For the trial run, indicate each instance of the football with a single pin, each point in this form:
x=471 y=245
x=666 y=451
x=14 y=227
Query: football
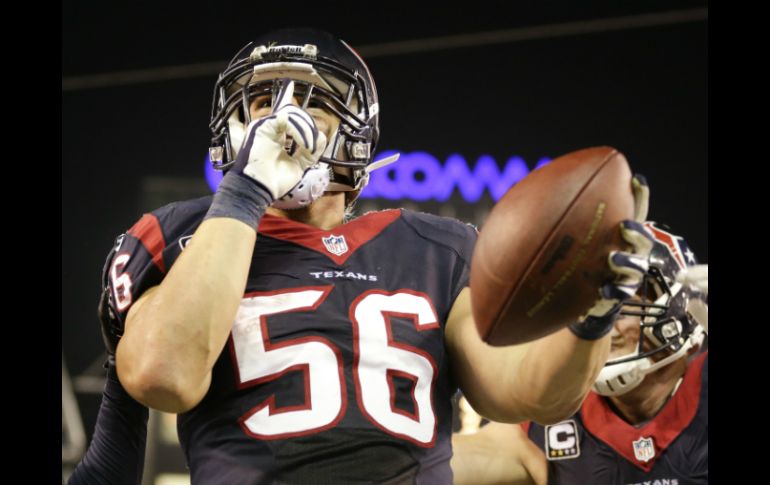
x=541 y=255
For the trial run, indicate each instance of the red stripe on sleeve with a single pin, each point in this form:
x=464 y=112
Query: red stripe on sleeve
x=148 y=231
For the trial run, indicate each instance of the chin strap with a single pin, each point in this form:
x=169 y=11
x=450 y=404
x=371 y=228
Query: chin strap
x=618 y=379
x=311 y=187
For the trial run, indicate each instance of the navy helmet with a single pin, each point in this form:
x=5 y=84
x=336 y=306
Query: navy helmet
x=327 y=74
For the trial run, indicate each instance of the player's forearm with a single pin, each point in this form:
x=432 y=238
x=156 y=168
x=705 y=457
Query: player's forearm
x=173 y=338
x=557 y=372
x=544 y=380
x=483 y=458
x=476 y=462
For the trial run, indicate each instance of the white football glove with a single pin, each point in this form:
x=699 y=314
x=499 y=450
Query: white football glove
x=264 y=156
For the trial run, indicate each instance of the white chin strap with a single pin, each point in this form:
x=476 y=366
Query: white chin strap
x=618 y=379
x=316 y=181
x=310 y=188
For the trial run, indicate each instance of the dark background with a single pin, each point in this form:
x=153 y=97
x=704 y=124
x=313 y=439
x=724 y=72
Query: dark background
x=640 y=89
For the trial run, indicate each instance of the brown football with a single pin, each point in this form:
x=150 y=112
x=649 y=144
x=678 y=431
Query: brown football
x=541 y=256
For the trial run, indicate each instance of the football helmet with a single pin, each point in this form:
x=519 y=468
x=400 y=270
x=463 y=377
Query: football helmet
x=673 y=316
x=327 y=74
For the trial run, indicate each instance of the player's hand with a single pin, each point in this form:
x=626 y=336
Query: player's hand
x=629 y=267
x=696 y=277
x=264 y=156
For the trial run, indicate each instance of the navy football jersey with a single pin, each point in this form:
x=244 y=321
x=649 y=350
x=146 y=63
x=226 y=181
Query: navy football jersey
x=597 y=446
x=335 y=370
x=116 y=452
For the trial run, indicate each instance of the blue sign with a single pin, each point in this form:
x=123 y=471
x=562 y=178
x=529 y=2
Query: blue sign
x=419 y=176
x=213 y=177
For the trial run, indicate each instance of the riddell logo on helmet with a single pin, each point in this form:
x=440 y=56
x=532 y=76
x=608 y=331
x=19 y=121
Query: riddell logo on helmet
x=274 y=50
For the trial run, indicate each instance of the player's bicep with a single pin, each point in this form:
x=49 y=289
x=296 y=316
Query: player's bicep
x=136 y=308
x=138 y=359
x=131 y=275
x=130 y=270
x=486 y=374
x=128 y=346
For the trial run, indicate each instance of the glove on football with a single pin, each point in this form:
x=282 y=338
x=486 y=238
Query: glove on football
x=629 y=267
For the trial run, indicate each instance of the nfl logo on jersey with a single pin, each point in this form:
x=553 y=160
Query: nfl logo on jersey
x=644 y=450
x=335 y=244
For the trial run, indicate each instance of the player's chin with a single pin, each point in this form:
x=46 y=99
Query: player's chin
x=618 y=351
x=330 y=194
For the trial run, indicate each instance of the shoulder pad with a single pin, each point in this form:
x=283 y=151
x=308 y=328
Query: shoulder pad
x=446 y=231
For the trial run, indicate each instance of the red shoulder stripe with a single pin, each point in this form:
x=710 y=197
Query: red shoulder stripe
x=148 y=231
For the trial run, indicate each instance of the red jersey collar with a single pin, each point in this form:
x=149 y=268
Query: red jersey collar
x=337 y=244
x=676 y=415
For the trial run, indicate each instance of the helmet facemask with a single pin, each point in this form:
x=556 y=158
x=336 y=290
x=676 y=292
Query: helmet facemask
x=342 y=86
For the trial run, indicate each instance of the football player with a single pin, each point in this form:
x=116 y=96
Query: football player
x=647 y=419
x=299 y=346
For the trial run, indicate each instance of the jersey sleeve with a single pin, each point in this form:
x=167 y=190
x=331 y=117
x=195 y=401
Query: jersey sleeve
x=116 y=452
x=141 y=257
x=465 y=244
x=134 y=264
x=456 y=236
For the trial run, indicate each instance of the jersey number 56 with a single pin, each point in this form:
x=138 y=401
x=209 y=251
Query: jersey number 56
x=377 y=359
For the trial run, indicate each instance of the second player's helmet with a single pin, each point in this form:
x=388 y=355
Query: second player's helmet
x=673 y=316
x=328 y=74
